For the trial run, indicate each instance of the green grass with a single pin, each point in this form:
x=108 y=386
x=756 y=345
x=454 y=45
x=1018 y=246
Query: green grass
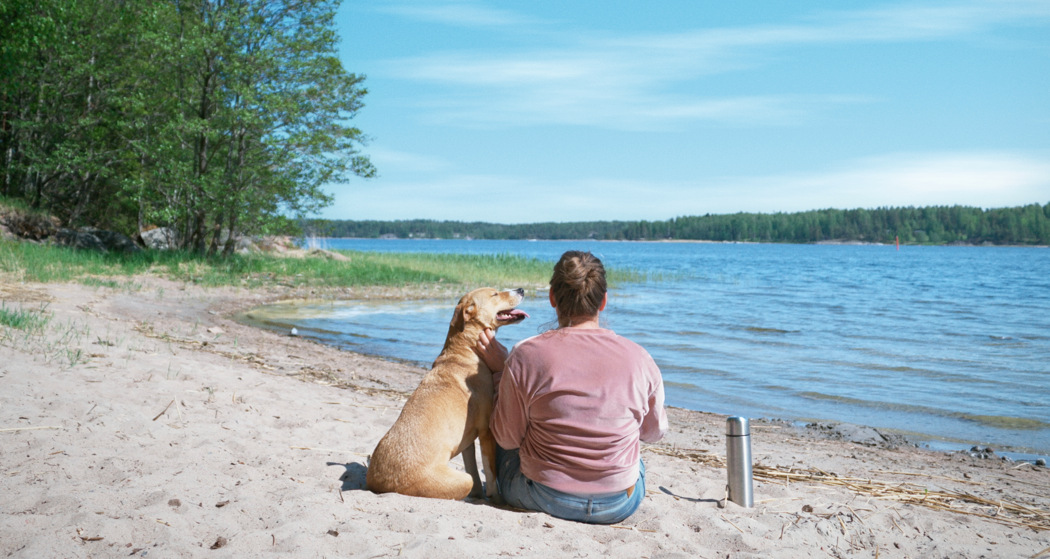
x=128 y=286
x=42 y=263
x=34 y=332
x=20 y=319
x=16 y=204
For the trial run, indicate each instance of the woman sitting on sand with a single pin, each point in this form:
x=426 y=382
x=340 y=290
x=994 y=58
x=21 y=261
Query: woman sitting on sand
x=572 y=405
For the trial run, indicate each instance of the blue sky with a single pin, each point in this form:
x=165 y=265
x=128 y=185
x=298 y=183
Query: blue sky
x=519 y=112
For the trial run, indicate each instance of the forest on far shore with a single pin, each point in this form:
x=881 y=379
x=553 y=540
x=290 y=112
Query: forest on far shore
x=1021 y=225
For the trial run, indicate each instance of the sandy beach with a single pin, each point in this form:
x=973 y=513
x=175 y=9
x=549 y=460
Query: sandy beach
x=144 y=421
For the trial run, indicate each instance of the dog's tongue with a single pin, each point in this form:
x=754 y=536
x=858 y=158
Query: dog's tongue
x=513 y=314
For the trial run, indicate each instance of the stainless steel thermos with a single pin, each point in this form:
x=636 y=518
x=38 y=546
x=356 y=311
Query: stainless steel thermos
x=738 y=461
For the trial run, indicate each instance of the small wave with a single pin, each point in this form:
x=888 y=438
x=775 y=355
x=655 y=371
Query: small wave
x=308 y=330
x=761 y=330
x=674 y=347
x=907 y=370
x=1007 y=342
x=1004 y=422
x=926 y=373
x=692 y=333
x=996 y=421
x=773 y=343
x=673 y=371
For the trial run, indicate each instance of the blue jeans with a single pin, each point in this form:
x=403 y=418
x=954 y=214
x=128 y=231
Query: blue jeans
x=523 y=493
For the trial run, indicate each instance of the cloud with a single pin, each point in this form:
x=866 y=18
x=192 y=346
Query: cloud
x=931 y=21
x=457 y=197
x=459 y=14
x=596 y=89
x=620 y=88
x=981 y=179
x=643 y=81
x=906 y=22
x=405 y=161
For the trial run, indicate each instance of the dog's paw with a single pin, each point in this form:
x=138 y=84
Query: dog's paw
x=492 y=494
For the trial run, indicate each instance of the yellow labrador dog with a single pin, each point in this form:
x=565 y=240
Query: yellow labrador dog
x=448 y=410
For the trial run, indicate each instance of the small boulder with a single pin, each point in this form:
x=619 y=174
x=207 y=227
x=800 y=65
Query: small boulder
x=90 y=238
x=159 y=238
x=113 y=241
x=78 y=240
x=328 y=255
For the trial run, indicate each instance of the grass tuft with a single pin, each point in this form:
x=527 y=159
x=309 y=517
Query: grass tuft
x=21 y=319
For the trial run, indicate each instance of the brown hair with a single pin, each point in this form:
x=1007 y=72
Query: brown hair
x=578 y=286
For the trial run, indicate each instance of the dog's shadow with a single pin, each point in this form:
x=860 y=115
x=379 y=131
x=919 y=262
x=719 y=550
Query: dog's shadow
x=353 y=479
x=354 y=476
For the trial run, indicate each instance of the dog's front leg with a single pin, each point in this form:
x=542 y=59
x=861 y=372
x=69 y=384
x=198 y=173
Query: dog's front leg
x=488 y=461
x=470 y=463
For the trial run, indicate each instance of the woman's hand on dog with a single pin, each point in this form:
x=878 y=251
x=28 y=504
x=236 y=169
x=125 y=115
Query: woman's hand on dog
x=491 y=351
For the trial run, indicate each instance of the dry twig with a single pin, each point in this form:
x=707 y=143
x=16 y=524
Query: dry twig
x=163 y=410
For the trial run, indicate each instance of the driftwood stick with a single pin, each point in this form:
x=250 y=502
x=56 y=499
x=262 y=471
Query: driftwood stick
x=163 y=410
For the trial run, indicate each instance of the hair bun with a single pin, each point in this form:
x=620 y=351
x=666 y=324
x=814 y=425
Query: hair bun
x=578 y=286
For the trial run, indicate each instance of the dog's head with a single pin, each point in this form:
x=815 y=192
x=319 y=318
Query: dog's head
x=488 y=308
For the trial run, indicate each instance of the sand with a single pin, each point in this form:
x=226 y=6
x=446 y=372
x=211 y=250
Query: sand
x=144 y=421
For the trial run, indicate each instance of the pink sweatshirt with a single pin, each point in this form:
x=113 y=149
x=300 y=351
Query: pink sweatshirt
x=576 y=402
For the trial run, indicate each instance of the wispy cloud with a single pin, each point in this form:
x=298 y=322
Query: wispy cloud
x=630 y=82
x=457 y=197
x=982 y=179
x=905 y=22
x=406 y=161
x=459 y=14
x=590 y=89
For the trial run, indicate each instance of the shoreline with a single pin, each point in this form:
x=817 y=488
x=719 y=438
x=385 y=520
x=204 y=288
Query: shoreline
x=150 y=420
x=817 y=427
x=829 y=242
x=826 y=427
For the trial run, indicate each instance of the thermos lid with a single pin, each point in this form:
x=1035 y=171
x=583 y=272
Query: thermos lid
x=737 y=427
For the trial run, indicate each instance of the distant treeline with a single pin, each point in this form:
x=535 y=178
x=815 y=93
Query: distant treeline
x=1023 y=225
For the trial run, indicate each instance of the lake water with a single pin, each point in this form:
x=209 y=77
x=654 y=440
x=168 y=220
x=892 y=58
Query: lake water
x=949 y=344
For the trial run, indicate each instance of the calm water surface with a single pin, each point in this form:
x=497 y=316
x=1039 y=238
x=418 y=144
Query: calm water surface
x=948 y=343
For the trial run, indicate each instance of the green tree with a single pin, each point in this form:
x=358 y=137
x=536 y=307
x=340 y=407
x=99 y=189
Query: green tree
x=213 y=117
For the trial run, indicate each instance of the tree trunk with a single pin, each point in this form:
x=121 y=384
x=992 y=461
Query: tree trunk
x=231 y=242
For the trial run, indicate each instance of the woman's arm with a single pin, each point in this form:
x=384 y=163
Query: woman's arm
x=654 y=424
x=509 y=413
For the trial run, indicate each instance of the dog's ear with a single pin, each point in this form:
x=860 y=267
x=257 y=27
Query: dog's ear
x=464 y=311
